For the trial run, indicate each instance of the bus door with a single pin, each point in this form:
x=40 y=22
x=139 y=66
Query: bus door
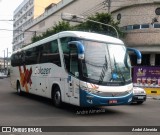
x=73 y=77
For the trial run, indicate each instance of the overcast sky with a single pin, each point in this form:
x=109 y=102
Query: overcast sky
x=7 y=8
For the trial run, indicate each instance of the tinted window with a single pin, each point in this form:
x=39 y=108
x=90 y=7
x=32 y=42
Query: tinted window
x=65 y=49
x=136 y=26
x=143 y=26
x=73 y=60
x=31 y=56
x=50 y=53
x=156 y=25
x=129 y=27
x=46 y=53
x=17 y=59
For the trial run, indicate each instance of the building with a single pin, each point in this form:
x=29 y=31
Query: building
x=137 y=18
x=53 y=15
x=142 y=26
x=24 y=14
x=4 y=64
x=1 y=63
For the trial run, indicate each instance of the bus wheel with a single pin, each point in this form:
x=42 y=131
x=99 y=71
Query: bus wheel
x=57 y=97
x=19 y=92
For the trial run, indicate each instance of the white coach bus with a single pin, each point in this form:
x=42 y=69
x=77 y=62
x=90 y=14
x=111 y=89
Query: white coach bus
x=80 y=68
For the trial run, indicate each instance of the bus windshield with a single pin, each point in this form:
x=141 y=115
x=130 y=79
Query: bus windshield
x=106 y=63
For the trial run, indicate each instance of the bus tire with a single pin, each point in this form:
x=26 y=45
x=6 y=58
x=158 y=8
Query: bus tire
x=19 y=91
x=56 y=97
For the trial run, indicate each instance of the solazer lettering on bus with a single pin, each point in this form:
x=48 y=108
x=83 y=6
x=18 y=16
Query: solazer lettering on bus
x=42 y=70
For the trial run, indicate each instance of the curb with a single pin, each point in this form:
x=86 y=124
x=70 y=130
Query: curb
x=155 y=98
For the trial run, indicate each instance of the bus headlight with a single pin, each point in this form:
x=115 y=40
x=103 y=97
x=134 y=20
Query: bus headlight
x=90 y=90
x=129 y=91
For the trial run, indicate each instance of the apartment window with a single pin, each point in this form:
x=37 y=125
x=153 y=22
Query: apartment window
x=136 y=26
x=143 y=26
x=129 y=27
x=156 y=25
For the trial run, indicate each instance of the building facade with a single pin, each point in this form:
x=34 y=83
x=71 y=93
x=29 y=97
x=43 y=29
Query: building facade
x=137 y=18
x=24 y=14
x=141 y=24
x=53 y=15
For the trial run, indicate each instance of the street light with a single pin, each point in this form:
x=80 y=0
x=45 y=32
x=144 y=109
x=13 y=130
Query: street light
x=78 y=18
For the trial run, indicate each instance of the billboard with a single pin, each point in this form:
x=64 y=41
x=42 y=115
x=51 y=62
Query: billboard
x=146 y=76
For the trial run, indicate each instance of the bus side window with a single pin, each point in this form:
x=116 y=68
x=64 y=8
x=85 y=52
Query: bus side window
x=31 y=56
x=50 y=53
x=73 y=60
x=55 y=56
x=16 y=59
x=64 y=45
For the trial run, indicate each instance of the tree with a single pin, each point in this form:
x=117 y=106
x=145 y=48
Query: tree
x=61 y=26
x=86 y=26
x=99 y=28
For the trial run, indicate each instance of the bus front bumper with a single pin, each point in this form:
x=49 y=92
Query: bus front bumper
x=90 y=100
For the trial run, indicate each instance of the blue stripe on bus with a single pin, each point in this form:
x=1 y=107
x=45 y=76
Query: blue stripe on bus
x=88 y=99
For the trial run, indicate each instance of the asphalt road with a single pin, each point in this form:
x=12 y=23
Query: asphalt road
x=30 y=110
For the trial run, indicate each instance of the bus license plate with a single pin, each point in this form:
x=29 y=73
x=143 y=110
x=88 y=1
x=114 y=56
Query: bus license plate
x=140 y=97
x=112 y=101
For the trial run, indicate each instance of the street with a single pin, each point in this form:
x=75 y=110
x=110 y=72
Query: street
x=30 y=110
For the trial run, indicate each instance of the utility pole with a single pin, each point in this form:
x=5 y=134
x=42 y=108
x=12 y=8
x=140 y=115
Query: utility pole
x=7 y=61
x=109 y=6
x=4 y=59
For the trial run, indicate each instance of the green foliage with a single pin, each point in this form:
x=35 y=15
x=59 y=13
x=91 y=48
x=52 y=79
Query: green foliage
x=99 y=28
x=86 y=26
x=61 y=26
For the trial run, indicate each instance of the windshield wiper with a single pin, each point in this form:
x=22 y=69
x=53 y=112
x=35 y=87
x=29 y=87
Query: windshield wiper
x=104 y=69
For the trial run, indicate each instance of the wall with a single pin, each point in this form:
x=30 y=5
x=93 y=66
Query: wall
x=49 y=18
x=140 y=12
x=40 y=6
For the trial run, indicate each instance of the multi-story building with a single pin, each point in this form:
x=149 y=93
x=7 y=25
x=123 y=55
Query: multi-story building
x=24 y=14
x=53 y=14
x=139 y=20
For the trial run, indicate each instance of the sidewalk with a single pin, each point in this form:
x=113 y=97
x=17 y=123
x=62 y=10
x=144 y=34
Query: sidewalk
x=156 y=97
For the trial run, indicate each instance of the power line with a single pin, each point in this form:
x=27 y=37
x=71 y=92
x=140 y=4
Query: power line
x=94 y=9
x=7 y=20
x=18 y=30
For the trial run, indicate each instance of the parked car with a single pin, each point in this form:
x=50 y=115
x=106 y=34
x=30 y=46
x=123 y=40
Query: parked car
x=2 y=75
x=139 y=95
